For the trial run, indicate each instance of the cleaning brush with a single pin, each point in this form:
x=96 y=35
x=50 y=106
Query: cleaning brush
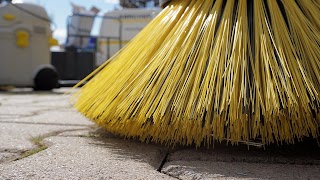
x=204 y=71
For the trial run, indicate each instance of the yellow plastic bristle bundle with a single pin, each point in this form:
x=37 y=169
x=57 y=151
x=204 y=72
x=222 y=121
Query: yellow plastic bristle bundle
x=214 y=70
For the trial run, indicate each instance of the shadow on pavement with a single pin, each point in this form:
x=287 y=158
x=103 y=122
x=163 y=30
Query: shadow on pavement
x=152 y=154
x=203 y=161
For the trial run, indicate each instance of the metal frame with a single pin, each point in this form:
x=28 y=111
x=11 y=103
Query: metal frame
x=107 y=38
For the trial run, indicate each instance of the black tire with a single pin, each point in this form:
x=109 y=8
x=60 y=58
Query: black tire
x=46 y=79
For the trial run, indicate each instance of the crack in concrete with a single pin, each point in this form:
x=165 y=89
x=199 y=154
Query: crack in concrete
x=40 y=145
x=9 y=154
x=81 y=136
x=230 y=158
x=163 y=162
x=101 y=135
x=6 y=150
x=290 y=155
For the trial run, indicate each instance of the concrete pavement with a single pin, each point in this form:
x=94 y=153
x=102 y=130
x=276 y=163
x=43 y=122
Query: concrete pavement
x=43 y=137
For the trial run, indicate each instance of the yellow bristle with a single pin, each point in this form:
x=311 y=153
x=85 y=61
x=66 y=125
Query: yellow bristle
x=202 y=71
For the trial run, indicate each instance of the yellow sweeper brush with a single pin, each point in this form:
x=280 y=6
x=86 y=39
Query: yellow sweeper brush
x=202 y=70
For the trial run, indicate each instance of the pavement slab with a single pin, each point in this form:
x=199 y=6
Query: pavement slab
x=25 y=114
x=82 y=155
x=50 y=117
x=18 y=136
x=186 y=170
x=60 y=143
x=43 y=137
x=300 y=161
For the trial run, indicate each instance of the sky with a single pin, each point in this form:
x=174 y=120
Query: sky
x=58 y=11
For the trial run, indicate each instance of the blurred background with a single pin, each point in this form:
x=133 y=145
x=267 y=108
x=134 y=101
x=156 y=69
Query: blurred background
x=58 y=10
x=47 y=44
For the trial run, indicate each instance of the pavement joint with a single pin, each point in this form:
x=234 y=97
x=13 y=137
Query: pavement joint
x=40 y=145
x=60 y=143
x=11 y=154
x=6 y=150
x=293 y=155
x=163 y=162
x=101 y=136
x=176 y=173
x=81 y=136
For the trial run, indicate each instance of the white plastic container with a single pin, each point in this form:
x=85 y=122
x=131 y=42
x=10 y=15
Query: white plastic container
x=120 y=26
x=25 y=58
x=80 y=26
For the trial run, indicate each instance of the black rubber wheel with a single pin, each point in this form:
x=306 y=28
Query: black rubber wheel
x=46 y=79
